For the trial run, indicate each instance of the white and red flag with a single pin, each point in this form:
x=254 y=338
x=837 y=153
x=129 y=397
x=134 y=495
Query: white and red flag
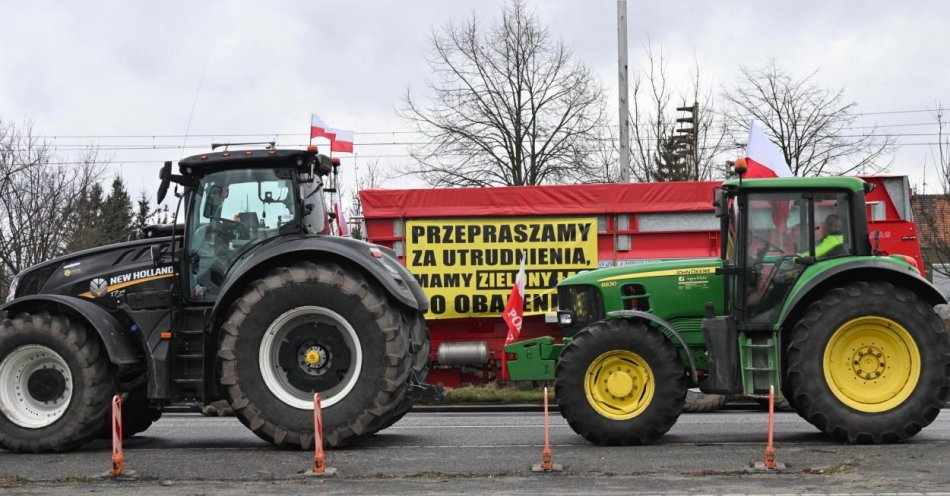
x=763 y=158
x=343 y=229
x=342 y=140
x=318 y=128
x=514 y=310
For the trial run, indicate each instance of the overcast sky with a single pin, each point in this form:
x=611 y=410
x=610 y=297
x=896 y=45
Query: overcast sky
x=134 y=69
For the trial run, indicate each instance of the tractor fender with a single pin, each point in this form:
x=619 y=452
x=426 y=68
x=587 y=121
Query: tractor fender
x=637 y=314
x=122 y=346
x=386 y=270
x=860 y=270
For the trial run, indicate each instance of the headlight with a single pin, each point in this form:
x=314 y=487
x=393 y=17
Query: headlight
x=12 y=294
x=565 y=318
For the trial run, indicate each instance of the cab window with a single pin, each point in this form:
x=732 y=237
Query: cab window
x=233 y=210
x=833 y=233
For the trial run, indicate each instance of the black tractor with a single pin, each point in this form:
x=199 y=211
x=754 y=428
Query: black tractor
x=252 y=300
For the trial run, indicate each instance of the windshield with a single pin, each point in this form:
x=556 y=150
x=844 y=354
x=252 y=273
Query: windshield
x=232 y=210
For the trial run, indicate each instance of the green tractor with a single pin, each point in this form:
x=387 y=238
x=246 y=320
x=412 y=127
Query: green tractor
x=799 y=301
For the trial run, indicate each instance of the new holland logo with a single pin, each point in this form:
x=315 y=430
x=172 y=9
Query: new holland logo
x=98 y=287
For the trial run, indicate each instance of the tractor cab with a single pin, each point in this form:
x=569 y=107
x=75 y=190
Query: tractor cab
x=773 y=229
x=238 y=200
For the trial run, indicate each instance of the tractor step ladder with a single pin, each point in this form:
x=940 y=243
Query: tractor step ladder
x=759 y=355
x=188 y=369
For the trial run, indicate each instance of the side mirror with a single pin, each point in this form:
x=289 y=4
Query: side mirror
x=719 y=199
x=166 y=177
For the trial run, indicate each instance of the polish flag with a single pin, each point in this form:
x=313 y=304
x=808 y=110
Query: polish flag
x=342 y=140
x=514 y=313
x=514 y=310
x=763 y=158
x=318 y=128
x=343 y=229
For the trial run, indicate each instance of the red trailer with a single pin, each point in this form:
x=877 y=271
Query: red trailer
x=464 y=246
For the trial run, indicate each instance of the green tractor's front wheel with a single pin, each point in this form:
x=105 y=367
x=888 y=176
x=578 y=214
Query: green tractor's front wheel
x=869 y=363
x=620 y=383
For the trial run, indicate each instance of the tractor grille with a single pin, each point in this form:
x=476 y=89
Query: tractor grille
x=585 y=302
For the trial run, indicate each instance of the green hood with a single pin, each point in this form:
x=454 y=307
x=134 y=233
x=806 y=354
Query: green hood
x=650 y=269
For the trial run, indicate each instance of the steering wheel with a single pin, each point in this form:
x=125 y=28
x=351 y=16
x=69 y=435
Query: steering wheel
x=766 y=247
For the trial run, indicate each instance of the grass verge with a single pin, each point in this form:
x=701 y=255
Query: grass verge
x=492 y=393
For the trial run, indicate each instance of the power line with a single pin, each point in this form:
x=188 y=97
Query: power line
x=147 y=146
x=366 y=133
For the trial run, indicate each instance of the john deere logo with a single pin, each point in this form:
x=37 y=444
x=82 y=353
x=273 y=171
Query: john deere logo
x=98 y=287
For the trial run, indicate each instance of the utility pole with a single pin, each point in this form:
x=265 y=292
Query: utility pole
x=624 y=93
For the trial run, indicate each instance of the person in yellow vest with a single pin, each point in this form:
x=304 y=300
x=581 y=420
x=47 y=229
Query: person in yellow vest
x=832 y=242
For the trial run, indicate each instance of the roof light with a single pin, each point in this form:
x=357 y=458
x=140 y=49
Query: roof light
x=204 y=157
x=335 y=160
x=248 y=152
x=740 y=166
x=271 y=151
x=226 y=154
x=312 y=148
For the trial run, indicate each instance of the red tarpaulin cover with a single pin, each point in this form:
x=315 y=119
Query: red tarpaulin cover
x=579 y=199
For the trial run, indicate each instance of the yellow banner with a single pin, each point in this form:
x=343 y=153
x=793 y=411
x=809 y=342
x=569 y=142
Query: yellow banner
x=467 y=266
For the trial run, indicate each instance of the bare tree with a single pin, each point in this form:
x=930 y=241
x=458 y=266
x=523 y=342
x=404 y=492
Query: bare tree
x=653 y=125
x=810 y=124
x=38 y=199
x=933 y=210
x=367 y=178
x=509 y=106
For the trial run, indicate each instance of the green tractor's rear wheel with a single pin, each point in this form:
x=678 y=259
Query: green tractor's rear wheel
x=620 y=383
x=869 y=363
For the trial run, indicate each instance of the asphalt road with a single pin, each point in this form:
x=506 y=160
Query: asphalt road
x=442 y=453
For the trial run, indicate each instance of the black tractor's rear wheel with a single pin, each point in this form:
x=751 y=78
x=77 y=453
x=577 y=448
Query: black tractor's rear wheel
x=620 y=383
x=56 y=383
x=314 y=328
x=420 y=347
x=869 y=363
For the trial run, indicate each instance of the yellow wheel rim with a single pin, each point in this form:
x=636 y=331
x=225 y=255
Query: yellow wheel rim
x=872 y=364
x=619 y=384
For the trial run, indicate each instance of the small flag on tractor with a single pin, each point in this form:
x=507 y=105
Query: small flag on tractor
x=342 y=140
x=318 y=128
x=514 y=312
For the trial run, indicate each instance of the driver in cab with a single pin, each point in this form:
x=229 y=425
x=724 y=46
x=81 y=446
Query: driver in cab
x=831 y=243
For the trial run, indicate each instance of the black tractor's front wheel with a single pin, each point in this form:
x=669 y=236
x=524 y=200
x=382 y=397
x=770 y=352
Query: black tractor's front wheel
x=55 y=383
x=869 y=363
x=314 y=328
x=620 y=383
